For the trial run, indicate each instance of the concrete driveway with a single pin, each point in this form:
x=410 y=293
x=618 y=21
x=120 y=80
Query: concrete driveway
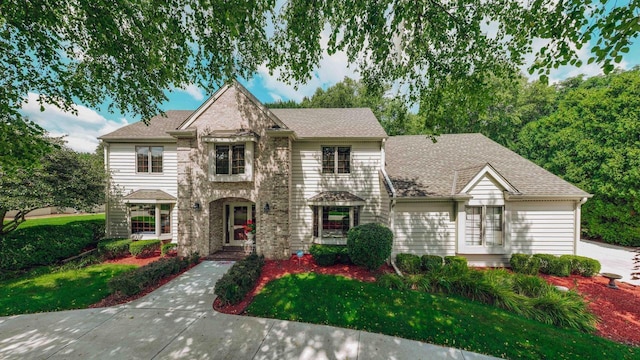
x=614 y=259
x=177 y=322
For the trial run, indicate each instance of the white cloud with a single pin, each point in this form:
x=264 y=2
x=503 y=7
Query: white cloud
x=194 y=91
x=81 y=131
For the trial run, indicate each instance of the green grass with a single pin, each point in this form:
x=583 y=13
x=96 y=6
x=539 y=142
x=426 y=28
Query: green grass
x=59 y=220
x=41 y=290
x=433 y=318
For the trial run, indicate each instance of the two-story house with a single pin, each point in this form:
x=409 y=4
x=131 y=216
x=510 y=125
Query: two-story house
x=305 y=176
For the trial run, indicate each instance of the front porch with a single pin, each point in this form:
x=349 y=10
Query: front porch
x=229 y=253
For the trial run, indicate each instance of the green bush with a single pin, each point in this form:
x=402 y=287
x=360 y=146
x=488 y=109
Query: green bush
x=553 y=265
x=166 y=248
x=457 y=263
x=408 y=263
x=545 y=262
x=582 y=265
x=391 y=281
x=525 y=264
x=233 y=286
x=114 y=248
x=47 y=244
x=432 y=262
x=369 y=245
x=327 y=255
x=132 y=282
x=144 y=248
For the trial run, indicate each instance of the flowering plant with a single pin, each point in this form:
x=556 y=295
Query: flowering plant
x=249 y=227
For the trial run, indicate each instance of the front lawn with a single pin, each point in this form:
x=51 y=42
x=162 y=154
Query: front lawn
x=433 y=318
x=59 y=220
x=41 y=291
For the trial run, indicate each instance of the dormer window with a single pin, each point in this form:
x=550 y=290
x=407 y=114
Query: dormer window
x=231 y=156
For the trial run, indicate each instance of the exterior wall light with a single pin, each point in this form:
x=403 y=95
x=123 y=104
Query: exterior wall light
x=266 y=208
x=196 y=206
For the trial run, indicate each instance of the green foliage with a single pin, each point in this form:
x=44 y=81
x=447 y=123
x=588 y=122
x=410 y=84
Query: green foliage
x=144 y=248
x=432 y=262
x=369 y=245
x=167 y=248
x=114 y=248
x=132 y=282
x=553 y=265
x=456 y=263
x=408 y=263
x=582 y=265
x=47 y=244
x=65 y=288
x=592 y=142
x=391 y=281
x=327 y=255
x=525 y=264
x=233 y=286
x=433 y=318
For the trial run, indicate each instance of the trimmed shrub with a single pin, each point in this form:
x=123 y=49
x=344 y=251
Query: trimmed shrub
x=525 y=264
x=327 y=255
x=545 y=262
x=144 y=248
x=559 y=267
x=47 y=244
x=432 y=262
x=233 y=286
x=114 y=248
x=132 y=282
x=408 y=263
x=458 y=263
x=582 y=265
x=166 y=248
x=369 y=245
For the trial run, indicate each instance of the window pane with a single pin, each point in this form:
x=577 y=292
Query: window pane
x=156 y=159
x=165 y=218
x=315 y=220
x=328 y=160
x=473 y=227
x=222 y=159
x=344 y=158
x=237 y=166
x=335 y=221
x=494 y=225
x=143 y=218
x=142 y=159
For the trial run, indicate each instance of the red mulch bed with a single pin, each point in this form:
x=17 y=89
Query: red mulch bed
x=274 y=269
x=618 y=310
x=115 y=299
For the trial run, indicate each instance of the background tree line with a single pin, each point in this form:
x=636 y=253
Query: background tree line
x=585 y=130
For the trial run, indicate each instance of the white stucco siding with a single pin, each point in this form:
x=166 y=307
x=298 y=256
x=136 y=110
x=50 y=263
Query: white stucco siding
x=308 y=180
x=424 y=228
x=542 y=227
x=121 y=159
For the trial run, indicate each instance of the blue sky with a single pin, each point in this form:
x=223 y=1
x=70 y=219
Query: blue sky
x=82 y=131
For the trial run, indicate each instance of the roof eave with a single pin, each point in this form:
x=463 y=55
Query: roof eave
x=345 y=138
x=555 y=197
x=433 y=198
x=138 y=139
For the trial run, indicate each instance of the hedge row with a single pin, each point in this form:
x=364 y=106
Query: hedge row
x=132 y=282
x=47 y=244
x=239 y=280
x=327 y=255
x=144 y=248
x=167 y=248
x=114 y=248
x=564 y=265
x=414 y=264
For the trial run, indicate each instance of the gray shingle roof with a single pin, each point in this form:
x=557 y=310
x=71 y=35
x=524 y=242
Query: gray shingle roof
x=149 y=195
x=331 y=123
x=419 y=167
x=157 y=128
x=335 y=196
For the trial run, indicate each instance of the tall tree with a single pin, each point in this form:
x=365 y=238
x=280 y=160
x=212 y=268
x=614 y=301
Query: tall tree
x=593 y=141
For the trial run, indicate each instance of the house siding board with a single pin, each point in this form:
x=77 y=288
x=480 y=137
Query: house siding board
x=424 y=228
x=122 y=162
x=308 y=181
x=486 y=192
x=542 y=227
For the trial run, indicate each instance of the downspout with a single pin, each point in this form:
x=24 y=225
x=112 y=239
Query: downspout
x=576 y=231
x=107 y=191
x=390 y=184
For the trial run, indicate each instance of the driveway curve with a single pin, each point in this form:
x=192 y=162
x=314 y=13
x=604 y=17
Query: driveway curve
x=177 y=322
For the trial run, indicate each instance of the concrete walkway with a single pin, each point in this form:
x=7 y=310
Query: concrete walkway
x=177 y=322
x=614 y=259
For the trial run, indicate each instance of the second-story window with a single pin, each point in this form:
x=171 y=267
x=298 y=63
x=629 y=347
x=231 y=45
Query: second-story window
x=149 y=159
x=336 y=159
x=230 y=159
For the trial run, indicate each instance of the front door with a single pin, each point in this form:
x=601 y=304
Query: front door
x=238 y=216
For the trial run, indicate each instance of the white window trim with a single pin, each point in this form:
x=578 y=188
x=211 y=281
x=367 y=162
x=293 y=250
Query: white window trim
x=333 y=240
x=335 y=160
x=158 y=226
x=149 y=160
x=463 y=248
x=248 y=163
